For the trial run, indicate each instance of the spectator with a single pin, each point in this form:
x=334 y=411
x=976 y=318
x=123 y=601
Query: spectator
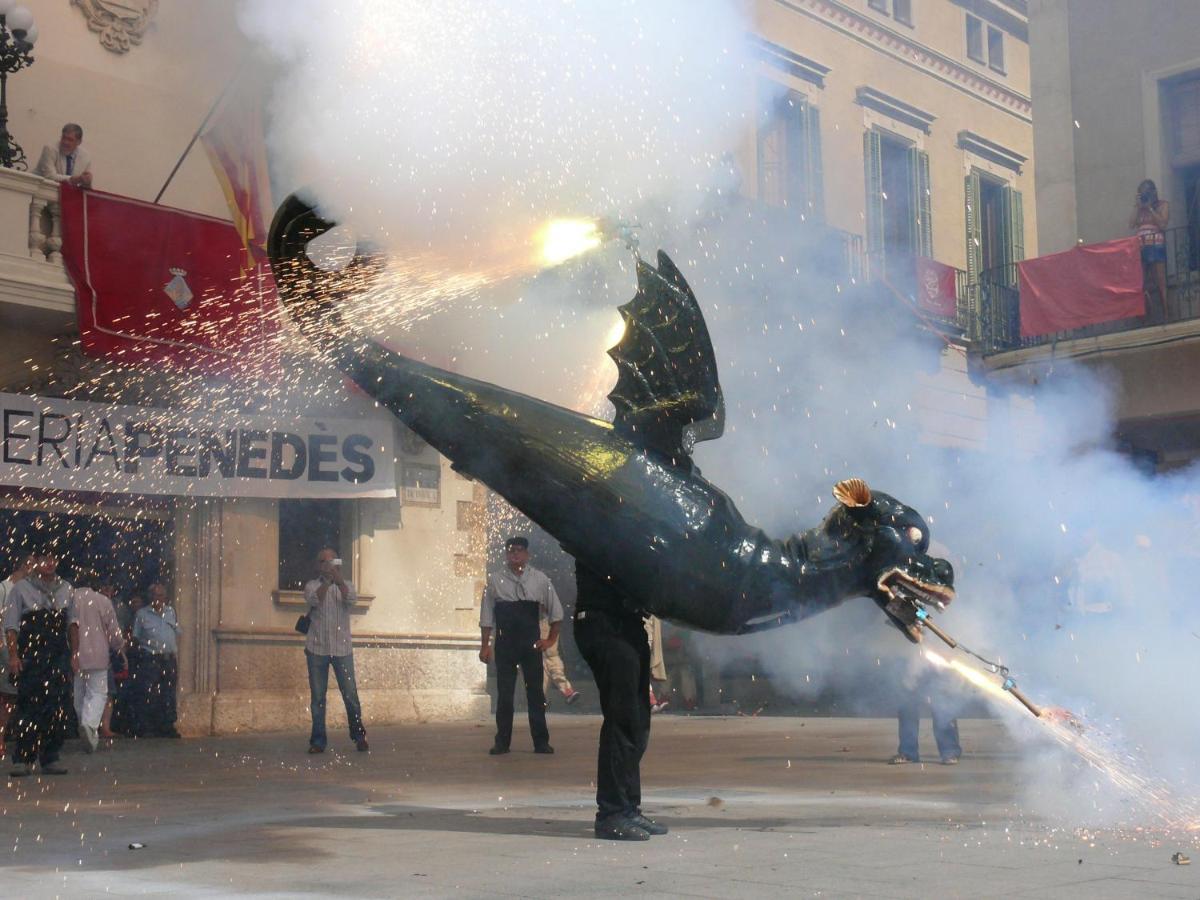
x=556 y=670
x=932 y=684
x=39 y=646
x=95 y=621
x=8 y=689
x=155 y=634
x=330 y=598
x=68 y=161
x=516 y=598
x=1149 y=221
x=658 y=668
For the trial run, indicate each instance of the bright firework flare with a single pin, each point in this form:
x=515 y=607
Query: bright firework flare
x=1101 y=754
x=564 y=239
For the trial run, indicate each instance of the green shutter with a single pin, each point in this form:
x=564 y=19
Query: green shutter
x=814 y=175
x=793 y=109
x=1014 y=234
x=922 y=202
x=873 y=161
x=974 y=233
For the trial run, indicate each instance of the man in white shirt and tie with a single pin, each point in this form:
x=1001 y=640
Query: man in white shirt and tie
x=68 y=161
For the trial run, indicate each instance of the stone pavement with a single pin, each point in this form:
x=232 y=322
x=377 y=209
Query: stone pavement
x=758 y=807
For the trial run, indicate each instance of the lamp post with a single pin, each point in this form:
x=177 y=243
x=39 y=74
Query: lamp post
x=18 y=33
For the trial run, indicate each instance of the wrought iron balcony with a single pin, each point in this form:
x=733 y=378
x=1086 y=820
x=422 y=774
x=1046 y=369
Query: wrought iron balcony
x=996 y=324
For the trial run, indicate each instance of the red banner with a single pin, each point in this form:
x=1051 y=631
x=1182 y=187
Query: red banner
x=1082 y=286
x=937 y=293
x=161 y=286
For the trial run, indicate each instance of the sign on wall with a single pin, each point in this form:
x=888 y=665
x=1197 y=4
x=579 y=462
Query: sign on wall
x=47 y=442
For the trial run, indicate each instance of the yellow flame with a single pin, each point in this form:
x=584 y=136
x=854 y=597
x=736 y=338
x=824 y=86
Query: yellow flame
x=563 y=239
x=974 y=676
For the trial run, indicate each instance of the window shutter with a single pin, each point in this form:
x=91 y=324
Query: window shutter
x=873 y=162
x=974 y=232
x=814 y=174
x=922 y=225
x=1016 y=223
x=794 y=110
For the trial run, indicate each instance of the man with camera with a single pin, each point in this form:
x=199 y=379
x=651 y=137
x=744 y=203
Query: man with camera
x=516 y=598
x=330 y=598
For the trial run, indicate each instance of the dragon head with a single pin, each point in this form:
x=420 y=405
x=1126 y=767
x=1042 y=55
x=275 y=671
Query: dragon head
x=898 y=573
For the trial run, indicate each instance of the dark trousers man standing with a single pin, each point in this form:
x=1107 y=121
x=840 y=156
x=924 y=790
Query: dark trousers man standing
x=517 y=624
x=612 y=639
x=39 y=723
x=155 y=679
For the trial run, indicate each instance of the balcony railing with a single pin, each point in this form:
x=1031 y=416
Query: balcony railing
x=997 y=325
x=899 y=273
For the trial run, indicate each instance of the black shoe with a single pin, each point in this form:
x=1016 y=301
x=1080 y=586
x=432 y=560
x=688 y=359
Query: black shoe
x=648 y=825
x=22 y=771
x=543 y=748
x=362 y=745
x=497 y=750
x=620 y=828
x=52 y=769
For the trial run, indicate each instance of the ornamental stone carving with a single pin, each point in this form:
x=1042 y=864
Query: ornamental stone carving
x=120 y=23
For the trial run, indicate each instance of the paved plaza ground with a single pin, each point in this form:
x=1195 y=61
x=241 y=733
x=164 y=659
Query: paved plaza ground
x=758 y=807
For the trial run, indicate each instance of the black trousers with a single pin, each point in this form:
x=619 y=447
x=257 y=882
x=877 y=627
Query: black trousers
x=38 y=724
x=510 y=653
x=614 y=645
x=154 y=677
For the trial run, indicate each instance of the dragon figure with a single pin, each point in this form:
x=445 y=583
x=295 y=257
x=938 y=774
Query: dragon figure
x=624 y=498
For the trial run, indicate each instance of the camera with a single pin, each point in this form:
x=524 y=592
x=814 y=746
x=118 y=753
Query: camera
x=335 y=562
x=1144 y=197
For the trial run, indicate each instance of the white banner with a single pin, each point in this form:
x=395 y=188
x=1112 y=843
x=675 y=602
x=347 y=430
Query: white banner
x=73 y=446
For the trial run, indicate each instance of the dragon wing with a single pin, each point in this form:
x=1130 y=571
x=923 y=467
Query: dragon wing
x=667 y=395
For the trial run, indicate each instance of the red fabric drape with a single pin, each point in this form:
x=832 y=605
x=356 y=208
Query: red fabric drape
x=936 y=292
x=161 y=286
x=1081 y=286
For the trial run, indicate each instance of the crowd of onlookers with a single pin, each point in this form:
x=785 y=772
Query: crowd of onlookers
x=80 y=658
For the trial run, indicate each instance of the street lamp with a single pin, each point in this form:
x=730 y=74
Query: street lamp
x=18 y=34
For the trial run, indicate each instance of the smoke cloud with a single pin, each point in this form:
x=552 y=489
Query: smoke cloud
x=456 y=129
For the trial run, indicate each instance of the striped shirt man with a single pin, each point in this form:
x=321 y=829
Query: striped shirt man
x=329 y=619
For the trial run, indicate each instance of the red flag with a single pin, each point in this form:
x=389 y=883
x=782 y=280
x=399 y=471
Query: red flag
x=156 y=285
x=1081 y=286
x=937 y=293
x=237 y=149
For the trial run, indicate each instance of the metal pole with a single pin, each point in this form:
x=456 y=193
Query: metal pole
x=195 y=137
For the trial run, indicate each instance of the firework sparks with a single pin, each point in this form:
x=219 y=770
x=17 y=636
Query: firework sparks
x=564 y=239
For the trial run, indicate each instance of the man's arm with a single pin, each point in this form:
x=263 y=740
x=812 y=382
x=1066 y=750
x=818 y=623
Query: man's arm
x=45 y=166
x=487 y=622
x=310 y=595
x=14 y=655
x=554 y=615
x=349 y=595
x=73 y=640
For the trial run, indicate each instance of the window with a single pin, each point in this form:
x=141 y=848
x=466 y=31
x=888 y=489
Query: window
x=421 y=485
x=789 y=153
x=902 y=11
x=995 y=48
x=995 y=229
x=305 y=526
x=899 y=203
x=975 y=40
x=880 y=5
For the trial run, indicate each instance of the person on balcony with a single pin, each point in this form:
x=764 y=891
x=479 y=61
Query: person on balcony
x=68 y=161
x=1149 y=222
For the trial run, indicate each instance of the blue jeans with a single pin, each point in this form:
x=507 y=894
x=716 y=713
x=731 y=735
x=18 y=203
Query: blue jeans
x=945 y=725
x=318 y=686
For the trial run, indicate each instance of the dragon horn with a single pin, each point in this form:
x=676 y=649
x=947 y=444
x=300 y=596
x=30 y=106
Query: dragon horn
x=852 y=492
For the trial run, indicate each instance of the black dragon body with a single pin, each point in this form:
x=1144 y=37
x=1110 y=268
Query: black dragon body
x=624 y=498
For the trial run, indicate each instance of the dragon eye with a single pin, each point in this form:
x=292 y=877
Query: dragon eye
x=915 y=534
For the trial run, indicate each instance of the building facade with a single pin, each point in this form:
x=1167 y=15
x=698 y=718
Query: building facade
x=140 y=86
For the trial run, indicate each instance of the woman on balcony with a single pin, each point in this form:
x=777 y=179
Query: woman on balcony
x=1149 y=222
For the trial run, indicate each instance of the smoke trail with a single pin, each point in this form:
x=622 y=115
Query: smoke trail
x=456 y=130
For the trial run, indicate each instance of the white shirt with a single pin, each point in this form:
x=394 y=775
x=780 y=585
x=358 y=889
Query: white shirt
x=33 y=593
x=506 y=586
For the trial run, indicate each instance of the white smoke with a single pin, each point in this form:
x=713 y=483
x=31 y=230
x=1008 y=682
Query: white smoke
x=456 y=128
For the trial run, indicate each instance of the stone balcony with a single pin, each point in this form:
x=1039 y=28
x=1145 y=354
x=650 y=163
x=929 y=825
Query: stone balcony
x=35 y=293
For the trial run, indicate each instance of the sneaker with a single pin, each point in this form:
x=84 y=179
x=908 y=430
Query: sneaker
x=497 y=750
x=90 y=737
x=949 y=760
x=543 y=748
x=572 y=697
x=620 y=828
x=362 y=745
x=53 y=769
x=899 y=760
x=22 y=771
x=648 y=825
x=660 y=706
